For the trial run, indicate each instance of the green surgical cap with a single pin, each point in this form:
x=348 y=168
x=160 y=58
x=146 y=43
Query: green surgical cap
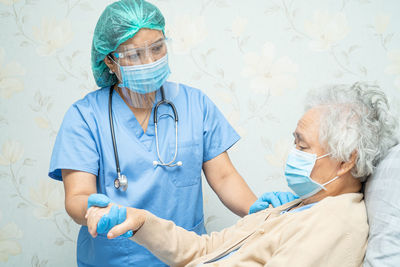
x=119 y=22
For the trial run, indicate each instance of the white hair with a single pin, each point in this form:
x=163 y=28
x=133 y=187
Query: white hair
x=355 y=118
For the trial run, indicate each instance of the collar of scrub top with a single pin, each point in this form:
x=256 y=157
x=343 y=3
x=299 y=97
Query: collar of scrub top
x=171 y=90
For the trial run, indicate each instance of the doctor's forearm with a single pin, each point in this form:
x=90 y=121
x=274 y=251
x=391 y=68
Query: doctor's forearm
x=236 y=195
x=227 y=183
x=78 y=187
x=76 y=207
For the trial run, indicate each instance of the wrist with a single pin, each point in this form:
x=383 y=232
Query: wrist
x=142 y=217
x=138 y=218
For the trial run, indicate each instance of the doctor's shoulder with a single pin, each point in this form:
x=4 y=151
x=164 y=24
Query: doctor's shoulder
x=86 y=107
x=93 y=100
x=193 y=95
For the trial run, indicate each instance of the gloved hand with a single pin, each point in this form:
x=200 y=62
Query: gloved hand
x=98 y=200
x=276 y=199
x=116 y=215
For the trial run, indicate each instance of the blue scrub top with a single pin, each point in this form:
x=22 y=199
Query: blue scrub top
x=175 y=193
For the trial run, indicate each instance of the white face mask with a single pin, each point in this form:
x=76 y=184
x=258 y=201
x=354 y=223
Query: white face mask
x=299 y=165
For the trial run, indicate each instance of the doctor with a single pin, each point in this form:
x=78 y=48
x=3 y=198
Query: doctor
x=142 y=141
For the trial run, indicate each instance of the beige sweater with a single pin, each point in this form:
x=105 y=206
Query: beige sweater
x=331 y=233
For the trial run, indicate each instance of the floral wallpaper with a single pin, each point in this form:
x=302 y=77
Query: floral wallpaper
x=255 y=59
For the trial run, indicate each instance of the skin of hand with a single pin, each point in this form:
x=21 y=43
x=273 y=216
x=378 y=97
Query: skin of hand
x=135 y=218
x=93 y=216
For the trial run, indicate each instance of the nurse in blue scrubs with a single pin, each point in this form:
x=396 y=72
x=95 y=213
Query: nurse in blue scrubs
x=130 y=61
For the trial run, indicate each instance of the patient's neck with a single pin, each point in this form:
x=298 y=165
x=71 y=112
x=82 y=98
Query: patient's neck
x=343 y=185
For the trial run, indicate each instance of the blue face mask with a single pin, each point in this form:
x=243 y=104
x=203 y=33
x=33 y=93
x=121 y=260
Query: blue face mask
x=145 y=78
x=298 y=168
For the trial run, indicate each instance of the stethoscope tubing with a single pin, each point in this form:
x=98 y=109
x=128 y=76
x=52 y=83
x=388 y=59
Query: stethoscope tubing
x=112 y=131
x=121 y=179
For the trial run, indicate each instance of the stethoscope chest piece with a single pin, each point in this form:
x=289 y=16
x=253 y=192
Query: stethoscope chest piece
x=121 y=182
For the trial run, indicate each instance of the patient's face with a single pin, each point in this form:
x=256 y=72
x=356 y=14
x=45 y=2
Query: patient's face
x=307 y=140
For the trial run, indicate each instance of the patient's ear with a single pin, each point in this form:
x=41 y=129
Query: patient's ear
x=345 y=167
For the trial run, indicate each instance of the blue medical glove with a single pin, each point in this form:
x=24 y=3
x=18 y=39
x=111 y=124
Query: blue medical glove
x=103 y=226
x=114 y=217
x=98 y=200
x=276 y=199
x=121 y=219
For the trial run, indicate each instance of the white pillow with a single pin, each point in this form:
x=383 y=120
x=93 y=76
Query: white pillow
x=382 y=198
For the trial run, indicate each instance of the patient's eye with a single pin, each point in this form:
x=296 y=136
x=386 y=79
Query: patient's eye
x=301 y=145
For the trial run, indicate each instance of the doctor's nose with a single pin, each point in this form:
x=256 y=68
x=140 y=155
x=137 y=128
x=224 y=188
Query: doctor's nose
x=147 y=58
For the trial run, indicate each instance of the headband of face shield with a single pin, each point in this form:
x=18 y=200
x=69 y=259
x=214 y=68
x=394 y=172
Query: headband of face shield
x=299 y=165
x=142 y=70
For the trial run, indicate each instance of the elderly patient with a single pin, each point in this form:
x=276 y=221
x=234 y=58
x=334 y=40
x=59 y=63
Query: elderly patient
x=343 y=134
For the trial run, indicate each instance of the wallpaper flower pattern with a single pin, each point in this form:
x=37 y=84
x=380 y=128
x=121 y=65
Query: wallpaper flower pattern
x=255 y=59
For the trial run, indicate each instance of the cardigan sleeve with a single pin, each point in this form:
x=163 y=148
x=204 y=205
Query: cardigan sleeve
x=176 y=246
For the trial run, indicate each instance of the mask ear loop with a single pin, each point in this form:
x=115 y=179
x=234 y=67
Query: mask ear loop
x=323 y=156
x=330 y=181
x=111 y=58
x=119 y=66
x=333 y=179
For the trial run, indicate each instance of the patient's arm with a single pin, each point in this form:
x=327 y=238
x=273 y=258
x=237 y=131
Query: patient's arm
x=321 y=244
x=172 y=244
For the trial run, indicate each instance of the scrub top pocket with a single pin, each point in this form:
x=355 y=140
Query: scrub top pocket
x=199 y=227
x=120 y=251
x=189 y=173
x=102 y=251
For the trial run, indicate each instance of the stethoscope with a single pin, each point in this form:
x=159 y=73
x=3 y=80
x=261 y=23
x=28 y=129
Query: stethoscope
x=121 y=181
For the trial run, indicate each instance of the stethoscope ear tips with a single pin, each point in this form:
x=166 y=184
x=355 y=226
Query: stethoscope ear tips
x=179 y=163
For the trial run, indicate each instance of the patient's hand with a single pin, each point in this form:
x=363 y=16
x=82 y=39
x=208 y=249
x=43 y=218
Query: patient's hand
x=98 y=217
x=135 y=219
x=115 y=218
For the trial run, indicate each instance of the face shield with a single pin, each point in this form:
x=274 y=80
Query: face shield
x=141 y=71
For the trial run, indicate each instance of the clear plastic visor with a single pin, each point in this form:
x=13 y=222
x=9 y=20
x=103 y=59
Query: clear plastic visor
x=140 y=70
x=130 y=55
